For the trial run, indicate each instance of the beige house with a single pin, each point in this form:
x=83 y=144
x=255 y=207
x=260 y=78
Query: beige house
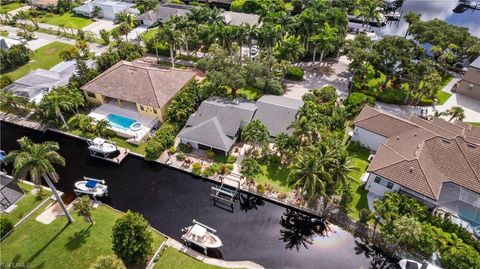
x=470 y=84
x=145 y=87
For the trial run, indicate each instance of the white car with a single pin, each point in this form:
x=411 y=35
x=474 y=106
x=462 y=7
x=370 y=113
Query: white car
x=411 y=264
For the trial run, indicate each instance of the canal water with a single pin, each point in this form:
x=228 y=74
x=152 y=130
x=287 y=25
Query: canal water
x=436 y=9
x=256 y=230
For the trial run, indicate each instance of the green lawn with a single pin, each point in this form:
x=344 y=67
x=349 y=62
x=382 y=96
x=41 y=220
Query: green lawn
x=59 y=245
x=121 y=142
x=249 y=93
x=68 y=19
x=26 y=204
x=173 y=259
x=45 y=57
x=359 y=155
x=3 y=33
x=5 y=8
x=276 y=176
x=474 y=123
x=442 y=97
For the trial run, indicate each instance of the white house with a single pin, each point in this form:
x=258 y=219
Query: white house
x=108 y=8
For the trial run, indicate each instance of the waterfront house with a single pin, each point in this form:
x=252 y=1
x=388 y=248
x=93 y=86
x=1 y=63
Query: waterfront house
x=436 y=162
x=470 y=83
x=217 y=123
x=162 y=14
x=109 y=8
x=43 y=3
x=137 y=91
x=277 y=113
x=36 y=84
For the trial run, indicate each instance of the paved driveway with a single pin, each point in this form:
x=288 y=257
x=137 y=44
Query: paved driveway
x=99 y=25
x=331 y=73
x=470 y=106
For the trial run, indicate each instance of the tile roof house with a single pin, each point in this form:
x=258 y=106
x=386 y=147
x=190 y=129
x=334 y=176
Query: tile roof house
x=163 y=12
x=470 y=83
x=35 y=84
x=277 y=113
x=109 y=8
x=437 y=162
x=147 y=86
x=43 y=3
x=10 y=192
x=218 y=121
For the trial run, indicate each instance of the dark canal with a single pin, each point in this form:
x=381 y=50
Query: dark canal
x=436 y=9
x=256 y=230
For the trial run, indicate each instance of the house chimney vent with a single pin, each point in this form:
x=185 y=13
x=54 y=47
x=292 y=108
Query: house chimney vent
x=398 y=137
x=415 y=134
x=411 y=169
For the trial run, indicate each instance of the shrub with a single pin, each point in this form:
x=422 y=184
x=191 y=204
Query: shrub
x=231 y=159
x=153 y=149
x=187 y=148
x=346 y=199
x=210 y=171
x=364 y=215
x=269 y=86
x=225 y=169
x=107 y=262
x=172 y=150
x=460 y=257
x=5 y=80
x=210 y=154
x=132 y=240
x=261 y=189
x=326 y=94
x=197 y=168
x=356 y=101
x=282 y=195
x=180 y=156
x=6 y=226
x=294 y=73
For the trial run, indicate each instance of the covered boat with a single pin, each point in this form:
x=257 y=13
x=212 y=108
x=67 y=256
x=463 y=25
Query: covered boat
x=101 y=146
x=411 y=264
x=91 y=186
x=201 y=235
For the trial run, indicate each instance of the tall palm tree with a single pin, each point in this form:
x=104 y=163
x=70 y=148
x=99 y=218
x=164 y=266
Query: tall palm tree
x=57 y=103
x=456 y=112
x=369 y=10
x=341 y=170
x=240 y=37
x=268 y=36
x=327 y=40
x=170 y=36
x=291 y=48
x=407 y=227
x=305 y=130
x=380 y=209
x=251 y=35
x=101 y=127
x=411 y=18
x=9 y=101
x=36 y=161
x=127 y=22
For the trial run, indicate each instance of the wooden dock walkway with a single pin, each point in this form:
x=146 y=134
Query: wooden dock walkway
x=22 y=121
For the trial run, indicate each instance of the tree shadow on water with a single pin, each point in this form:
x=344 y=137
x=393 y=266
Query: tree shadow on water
x=250 y=202
x=300 y=229
x=78 y=239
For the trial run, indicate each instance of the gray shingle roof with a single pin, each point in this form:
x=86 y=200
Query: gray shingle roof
x=164 y=12
x=476 y=63
x=277 y=113
x=217 y=121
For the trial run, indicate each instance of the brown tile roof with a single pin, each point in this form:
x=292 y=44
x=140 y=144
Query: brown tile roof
x=425 y=157
x=140 y=82
x=381 y=123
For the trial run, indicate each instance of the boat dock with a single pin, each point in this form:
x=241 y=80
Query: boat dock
x=122 y=154
x=22 y=121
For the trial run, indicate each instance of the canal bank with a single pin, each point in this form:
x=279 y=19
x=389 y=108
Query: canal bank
x=256 y=230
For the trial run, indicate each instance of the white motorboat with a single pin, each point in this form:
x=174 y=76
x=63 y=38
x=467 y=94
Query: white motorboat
x=411 y=264
x=101 y=145
x=201 y=235
x=91 y=186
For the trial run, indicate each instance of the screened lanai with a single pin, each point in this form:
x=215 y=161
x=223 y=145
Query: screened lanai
x=461 y=201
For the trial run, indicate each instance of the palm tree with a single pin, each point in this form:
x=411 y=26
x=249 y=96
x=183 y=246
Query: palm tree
x=84 y=205
x=310 y=173
x=291 y=48
x=127 y=22
x=101 y=127
x=97 y=10
x=369 y=10
x=268 y=36
x=456 y=112
x=57 y=103
x=306 y=131
x=407 y=227
x=240 y=37
x=170 y=36
x=327 y=39
x=9 y=101
x=251 y=34
x=36 y=161
x=341 y=170
x=380 y=209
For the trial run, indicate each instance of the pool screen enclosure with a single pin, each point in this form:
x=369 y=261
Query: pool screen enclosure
x=464 y=202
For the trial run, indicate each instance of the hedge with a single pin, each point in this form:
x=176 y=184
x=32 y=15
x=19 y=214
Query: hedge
x=294 y=73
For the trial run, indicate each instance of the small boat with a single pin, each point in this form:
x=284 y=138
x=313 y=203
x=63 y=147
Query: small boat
x=102 y=146
x=411 y=264
x=91 y=186
x=201 y=235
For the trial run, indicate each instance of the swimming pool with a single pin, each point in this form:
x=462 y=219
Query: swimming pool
x=120 y=122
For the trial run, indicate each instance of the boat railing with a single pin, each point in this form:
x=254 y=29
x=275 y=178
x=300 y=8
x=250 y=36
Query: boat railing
x=94 y=179
x=205 y=226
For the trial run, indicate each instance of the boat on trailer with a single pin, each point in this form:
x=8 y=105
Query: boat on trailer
x=201 y=235
x=91 y=186
x=411 y=264
x=101 y=146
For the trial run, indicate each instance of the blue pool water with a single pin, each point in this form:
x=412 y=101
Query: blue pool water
x=119 y=121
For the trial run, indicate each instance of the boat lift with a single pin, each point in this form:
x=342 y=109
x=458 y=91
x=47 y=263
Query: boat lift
x=78 y=192
x=224 y=193
x=188 y=241
x=122 y=153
